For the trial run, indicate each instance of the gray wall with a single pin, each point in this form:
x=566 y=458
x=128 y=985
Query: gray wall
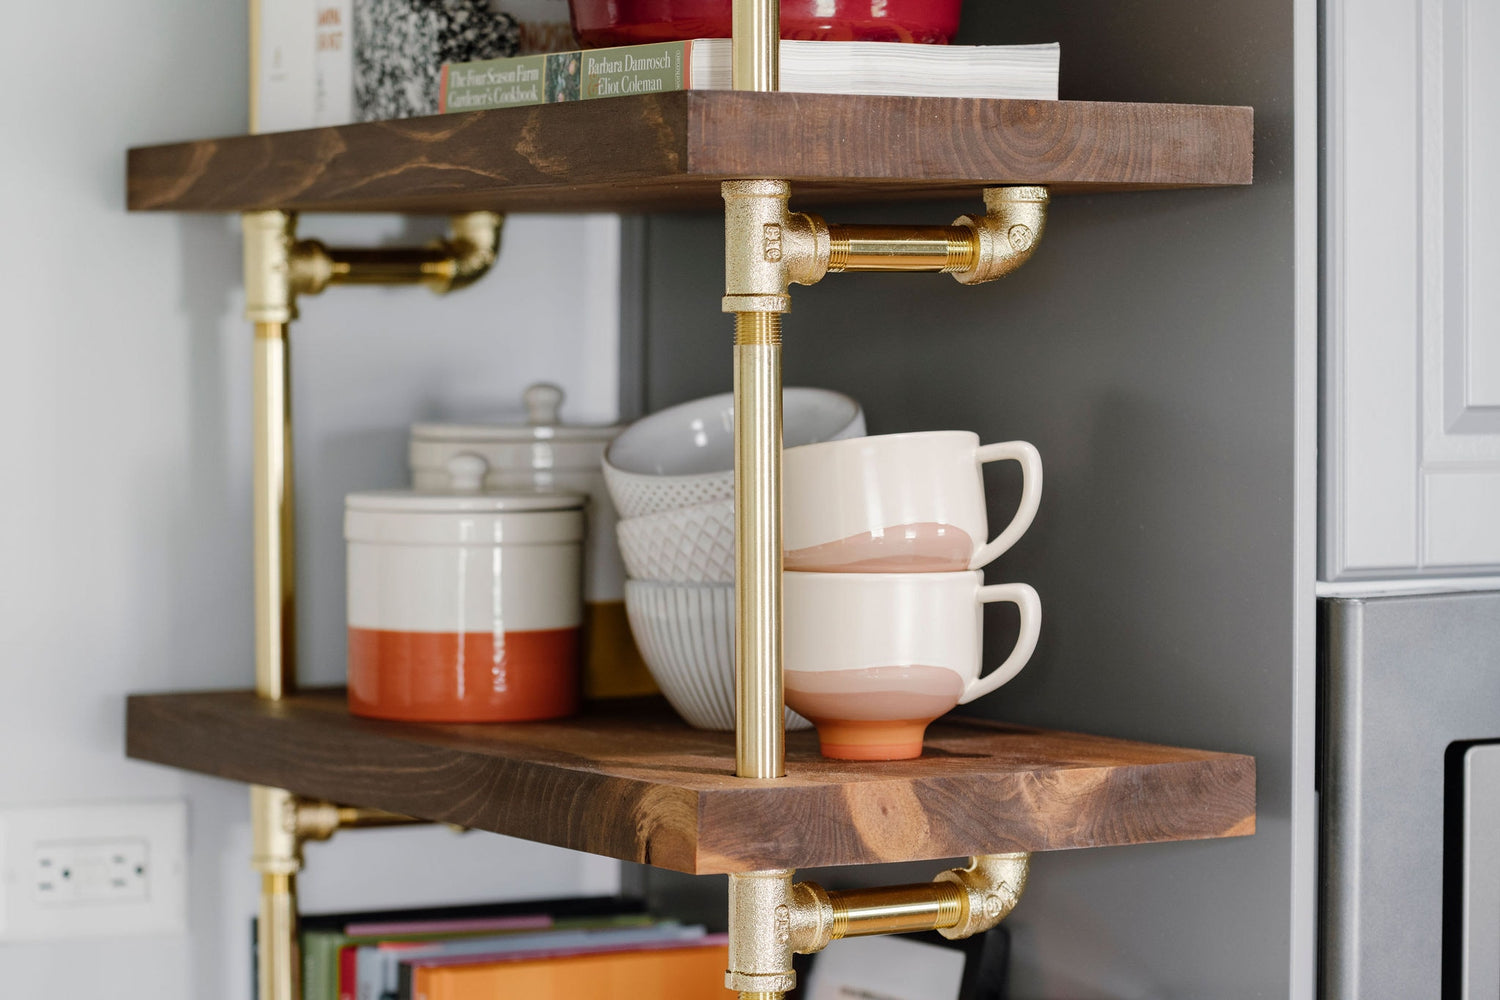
x=1148 y=351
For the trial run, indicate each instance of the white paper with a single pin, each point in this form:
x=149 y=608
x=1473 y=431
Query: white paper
x=885 y=968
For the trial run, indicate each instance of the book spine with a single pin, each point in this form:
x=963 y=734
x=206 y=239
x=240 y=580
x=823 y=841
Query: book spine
x=333 y=64
x=634 y=69
x=566 y=76
x=493 y=83
x=284 y=77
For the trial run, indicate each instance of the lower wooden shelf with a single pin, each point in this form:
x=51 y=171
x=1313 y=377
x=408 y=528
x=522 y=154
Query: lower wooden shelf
x=628 y=780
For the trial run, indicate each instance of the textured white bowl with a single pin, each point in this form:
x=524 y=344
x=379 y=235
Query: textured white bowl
x=686 y=545
x=684 y=455
x=685 y=632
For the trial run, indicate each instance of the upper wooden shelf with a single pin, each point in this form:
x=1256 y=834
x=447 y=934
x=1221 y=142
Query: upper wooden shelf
x=628 y=780
x=670 y=151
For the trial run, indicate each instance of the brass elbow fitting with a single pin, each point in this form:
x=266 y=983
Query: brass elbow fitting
x=992 y=885
x=1006 y=233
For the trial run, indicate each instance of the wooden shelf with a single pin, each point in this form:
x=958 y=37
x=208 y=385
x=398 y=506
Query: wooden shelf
x=670 y=151
x=628 y=780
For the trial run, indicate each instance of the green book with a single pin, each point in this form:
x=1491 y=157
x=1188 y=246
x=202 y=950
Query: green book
x=564 y=76
x=892 y=68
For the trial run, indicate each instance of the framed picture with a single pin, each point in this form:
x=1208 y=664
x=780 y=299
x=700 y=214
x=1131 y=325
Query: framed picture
x=908 y=967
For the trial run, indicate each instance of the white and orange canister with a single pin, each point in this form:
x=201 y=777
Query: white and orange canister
x=543 y=454
x=464 y=608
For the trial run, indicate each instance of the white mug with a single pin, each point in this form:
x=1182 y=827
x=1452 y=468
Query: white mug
x=899 y=503
x=872 y=658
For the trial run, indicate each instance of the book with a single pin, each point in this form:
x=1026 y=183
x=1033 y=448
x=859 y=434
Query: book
x=377 y=967
x=304 y=58
x=324 y=936
x=681 y=973
x=1014 y=71
x=321 y=947
x=301 y=64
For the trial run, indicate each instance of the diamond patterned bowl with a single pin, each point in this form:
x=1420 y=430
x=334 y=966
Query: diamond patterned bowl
x=687 y=545
x=684 y=455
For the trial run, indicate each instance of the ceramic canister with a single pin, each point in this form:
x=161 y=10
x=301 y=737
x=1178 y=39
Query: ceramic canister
x=464 y=608
x=546 y=455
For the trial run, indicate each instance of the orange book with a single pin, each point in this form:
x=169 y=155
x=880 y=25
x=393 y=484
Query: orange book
x=678 y=973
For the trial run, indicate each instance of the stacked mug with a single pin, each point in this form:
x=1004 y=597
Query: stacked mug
x=671 y=476
x=884 y=541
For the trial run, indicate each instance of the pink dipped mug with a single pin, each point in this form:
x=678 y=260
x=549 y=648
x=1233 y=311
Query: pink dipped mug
x=899 y=503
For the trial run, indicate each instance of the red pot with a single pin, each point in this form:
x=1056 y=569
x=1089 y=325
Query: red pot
x=632 y=22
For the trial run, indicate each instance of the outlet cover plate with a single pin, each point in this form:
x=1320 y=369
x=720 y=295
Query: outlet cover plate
x=99 y=870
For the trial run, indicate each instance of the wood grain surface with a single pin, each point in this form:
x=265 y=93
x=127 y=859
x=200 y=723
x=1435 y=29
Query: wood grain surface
x=628 y=780
x=670 y=151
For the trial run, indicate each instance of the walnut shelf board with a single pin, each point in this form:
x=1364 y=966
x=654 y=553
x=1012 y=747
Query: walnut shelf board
x=668 y=152
x=628 y=780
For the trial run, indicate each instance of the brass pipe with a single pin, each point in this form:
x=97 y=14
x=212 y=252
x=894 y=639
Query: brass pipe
x=458 y=261
x=275 y=557
x=277 y=855
x=278 y=949
x=321 y=820
x=902 y=248
x=759 y=750
x=897 y=909
x=756 y=60
x=277 y=269
x=396 y=266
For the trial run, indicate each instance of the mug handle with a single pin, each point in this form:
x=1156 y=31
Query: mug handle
x=1030 y=606
x=1031 y=495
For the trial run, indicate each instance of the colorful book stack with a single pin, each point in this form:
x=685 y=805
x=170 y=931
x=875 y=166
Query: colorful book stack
x=602 y=948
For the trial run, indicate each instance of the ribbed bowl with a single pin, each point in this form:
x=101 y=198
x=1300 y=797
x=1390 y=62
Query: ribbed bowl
x=685 y=632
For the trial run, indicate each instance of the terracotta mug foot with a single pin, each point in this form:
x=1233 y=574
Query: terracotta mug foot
x=861 y=739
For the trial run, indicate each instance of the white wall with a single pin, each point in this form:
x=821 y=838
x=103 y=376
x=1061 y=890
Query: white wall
x=125 y=545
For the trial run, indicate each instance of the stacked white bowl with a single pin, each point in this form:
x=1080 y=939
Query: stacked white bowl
x=671 y=476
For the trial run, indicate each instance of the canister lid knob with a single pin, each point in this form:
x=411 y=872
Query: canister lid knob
x=466 y=472
x=543 y=401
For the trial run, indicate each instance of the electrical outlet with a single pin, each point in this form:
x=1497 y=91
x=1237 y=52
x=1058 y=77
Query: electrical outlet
x=97 y=870
x=89 y=871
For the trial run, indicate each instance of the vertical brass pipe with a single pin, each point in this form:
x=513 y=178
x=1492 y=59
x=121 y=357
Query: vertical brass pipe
x=277 y=965
x=275 y=635
x=757 y=44
x=759 y=738
x=277 y=855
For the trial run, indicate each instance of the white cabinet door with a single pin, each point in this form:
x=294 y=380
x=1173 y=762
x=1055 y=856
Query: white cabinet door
x=1411 y=402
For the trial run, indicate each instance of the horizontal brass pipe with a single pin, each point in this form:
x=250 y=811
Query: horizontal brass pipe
x=395 y=266
x=321 y=820
x=895 y=909
x=901 y=248
x=354 y=817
